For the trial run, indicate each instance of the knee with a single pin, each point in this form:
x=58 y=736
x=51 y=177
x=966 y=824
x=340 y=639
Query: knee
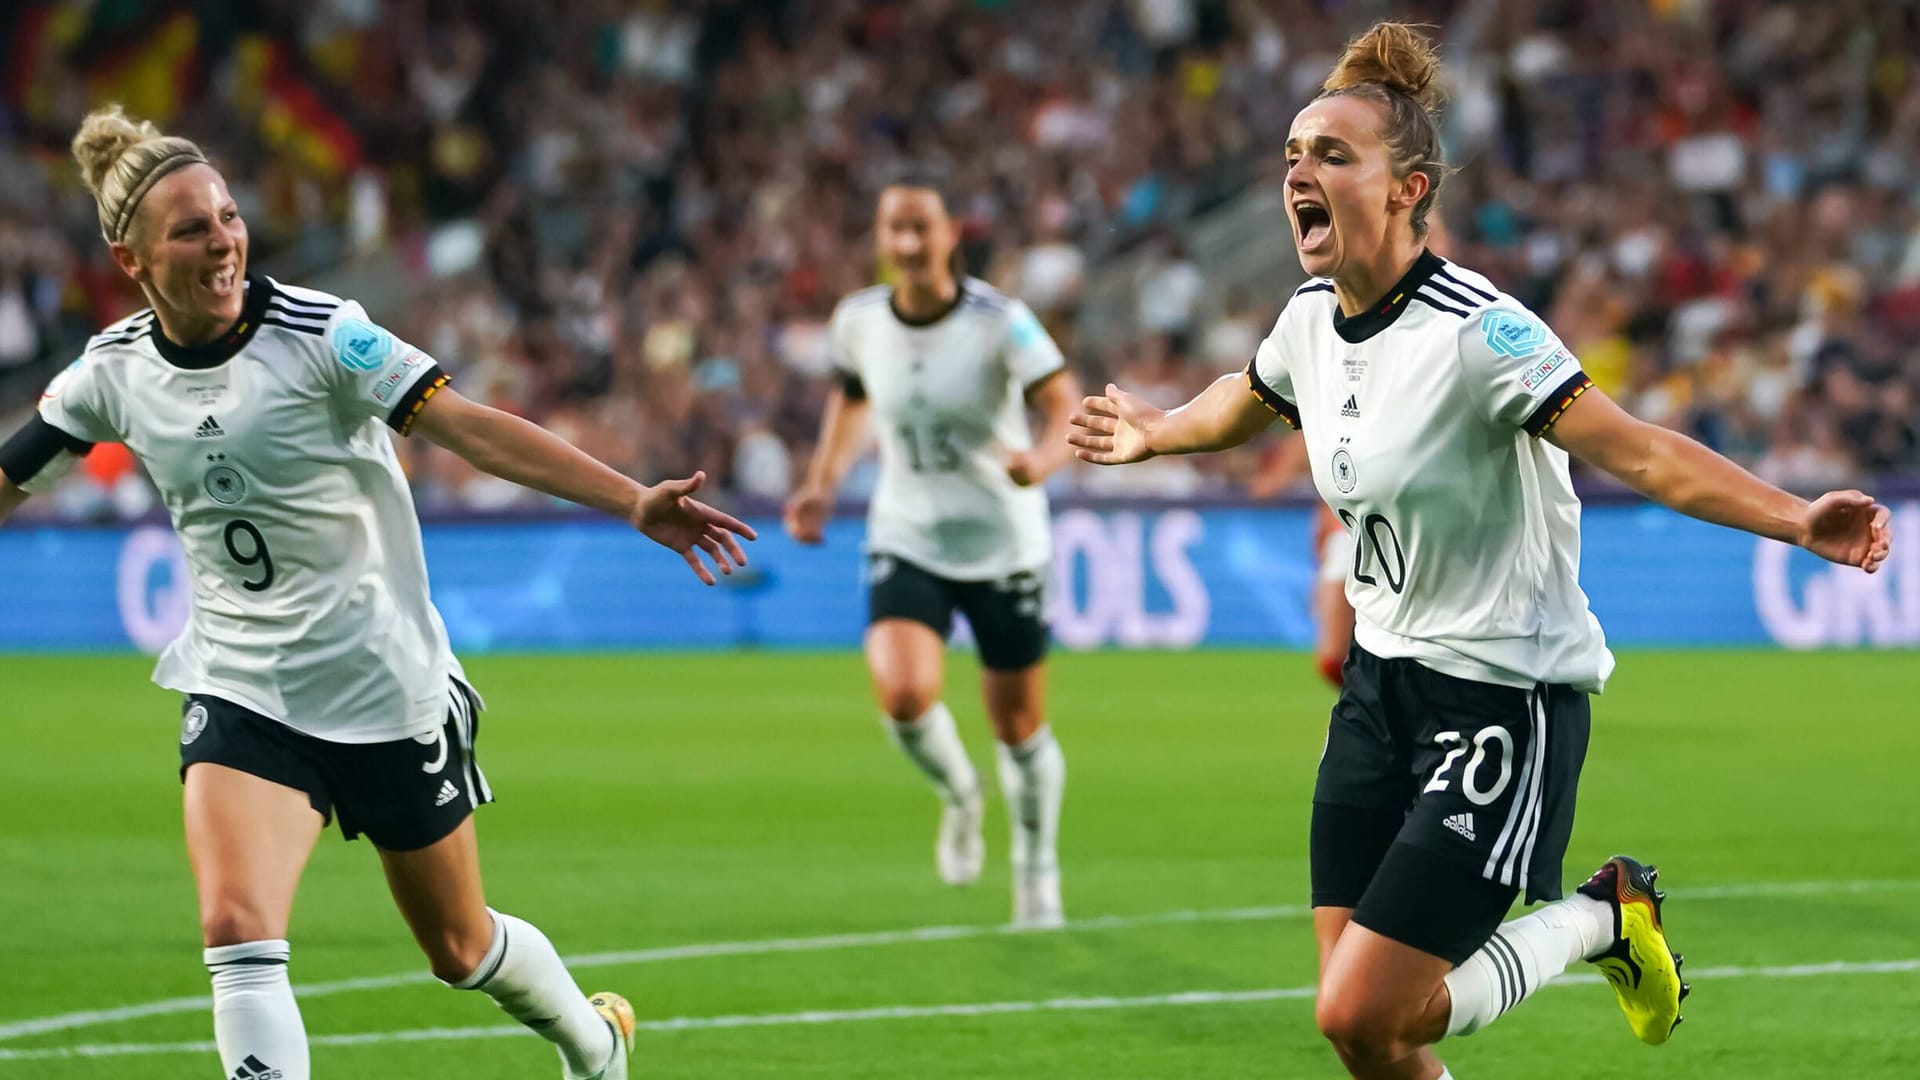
x=906 y=701
x=1360 y=1031
x=1015 y=726
x=237 y=920
x=456 y=956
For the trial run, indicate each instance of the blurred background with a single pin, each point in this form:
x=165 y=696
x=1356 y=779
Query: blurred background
x=630 y=220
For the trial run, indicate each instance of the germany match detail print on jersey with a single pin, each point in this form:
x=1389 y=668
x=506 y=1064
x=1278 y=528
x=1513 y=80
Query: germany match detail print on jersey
x=1424 y=418
x=271 y=452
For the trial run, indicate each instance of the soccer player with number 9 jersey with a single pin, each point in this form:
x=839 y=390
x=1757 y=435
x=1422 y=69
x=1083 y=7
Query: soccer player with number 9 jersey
x=318 y=679
x=1439 y=414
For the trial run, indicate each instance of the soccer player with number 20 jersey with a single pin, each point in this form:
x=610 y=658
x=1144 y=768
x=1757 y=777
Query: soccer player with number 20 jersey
x=1439 y=414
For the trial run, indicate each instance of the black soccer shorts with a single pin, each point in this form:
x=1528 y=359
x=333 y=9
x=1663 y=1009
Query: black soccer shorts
x=1478 y=779
x=1008 y=615
x=401 y=795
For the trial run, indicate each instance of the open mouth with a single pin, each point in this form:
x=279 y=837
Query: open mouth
x=1314 y=223
x=221 y=282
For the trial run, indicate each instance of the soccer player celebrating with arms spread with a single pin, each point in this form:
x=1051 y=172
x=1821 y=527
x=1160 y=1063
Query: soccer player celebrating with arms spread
x=318 y=678
x=1439 y=414
x=946 y=367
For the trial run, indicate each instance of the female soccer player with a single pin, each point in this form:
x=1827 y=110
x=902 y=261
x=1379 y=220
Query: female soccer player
x=318 y=677
x=947 y=367
x=1439 y=414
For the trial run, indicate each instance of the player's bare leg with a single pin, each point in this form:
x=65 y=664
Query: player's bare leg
x=1329 y=923
x=472 y=947
x=907 y=661
x=1382 y=1004
x=1033 y=776
x=248 y=840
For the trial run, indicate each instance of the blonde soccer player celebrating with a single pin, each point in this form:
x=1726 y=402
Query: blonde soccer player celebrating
x=1439 y=414
x=944 y=369
x=318 y=677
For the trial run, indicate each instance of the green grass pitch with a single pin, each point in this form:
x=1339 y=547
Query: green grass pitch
x=659 y=801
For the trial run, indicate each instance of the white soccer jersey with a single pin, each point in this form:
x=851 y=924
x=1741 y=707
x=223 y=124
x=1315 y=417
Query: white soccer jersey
x=948 y=403
x=1423 y=418
x=270 y=450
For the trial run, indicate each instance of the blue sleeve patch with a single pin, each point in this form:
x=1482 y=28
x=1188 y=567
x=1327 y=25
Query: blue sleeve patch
x=1024 y=330
x=361 y=346
x=1513 y=334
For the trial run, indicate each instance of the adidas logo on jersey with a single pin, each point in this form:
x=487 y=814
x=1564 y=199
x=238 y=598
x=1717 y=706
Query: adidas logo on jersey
x=1460 y=823
x=208 y=429
x=255 y=1069
x=448 y=793
x=1352 y=408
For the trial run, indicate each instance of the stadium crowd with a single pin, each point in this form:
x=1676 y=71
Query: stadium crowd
x=632 y=219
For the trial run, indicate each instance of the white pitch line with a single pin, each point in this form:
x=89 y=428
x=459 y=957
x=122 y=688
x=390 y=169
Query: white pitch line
x=42 y=1025
x=764 y=946
x=919 y=1012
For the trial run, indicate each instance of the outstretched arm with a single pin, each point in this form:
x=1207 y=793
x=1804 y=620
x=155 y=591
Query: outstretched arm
x=519 y=450
x=1846 y=527
x=1119 y=428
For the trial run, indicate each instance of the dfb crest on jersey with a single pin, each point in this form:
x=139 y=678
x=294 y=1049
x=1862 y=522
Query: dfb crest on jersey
x=193 y=723
x=360 y=345
x=224 y=482
x=1513 y=334
x=1344 y=476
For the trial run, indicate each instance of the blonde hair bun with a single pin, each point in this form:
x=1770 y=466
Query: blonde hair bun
x=120 y=160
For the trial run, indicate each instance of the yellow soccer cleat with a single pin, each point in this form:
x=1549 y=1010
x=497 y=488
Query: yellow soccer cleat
x=1644 y=971
x=618 y=1014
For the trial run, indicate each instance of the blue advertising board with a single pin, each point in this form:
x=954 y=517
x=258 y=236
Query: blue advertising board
x=1166 y=577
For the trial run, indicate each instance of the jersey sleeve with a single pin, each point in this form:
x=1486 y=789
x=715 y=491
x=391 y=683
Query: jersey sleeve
x=1517 y=370
x=372 y=373
x=1032 y=357
x=69 y=422
x=1269 y=379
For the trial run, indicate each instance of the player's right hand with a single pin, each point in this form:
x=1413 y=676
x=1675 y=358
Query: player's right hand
x=806 y=515
x=1111 y=429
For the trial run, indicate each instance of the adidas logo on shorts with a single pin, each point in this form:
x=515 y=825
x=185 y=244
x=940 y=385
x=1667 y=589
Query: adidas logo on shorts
x=448 y=793
x=1460 y=823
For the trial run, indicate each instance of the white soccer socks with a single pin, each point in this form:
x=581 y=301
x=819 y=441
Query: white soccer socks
x=932 y=743
x=524 y=974
x=1033 y=776
x=256 y=1023
x=1522 y=956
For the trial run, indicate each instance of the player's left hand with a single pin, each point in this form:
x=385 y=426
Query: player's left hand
x=1024 y=469
x=1849 y=528
x=667 y=514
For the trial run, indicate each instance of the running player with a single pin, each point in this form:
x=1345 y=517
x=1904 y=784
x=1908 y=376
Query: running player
x=1439 y=414
x=318 y=678
x=946 y=367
